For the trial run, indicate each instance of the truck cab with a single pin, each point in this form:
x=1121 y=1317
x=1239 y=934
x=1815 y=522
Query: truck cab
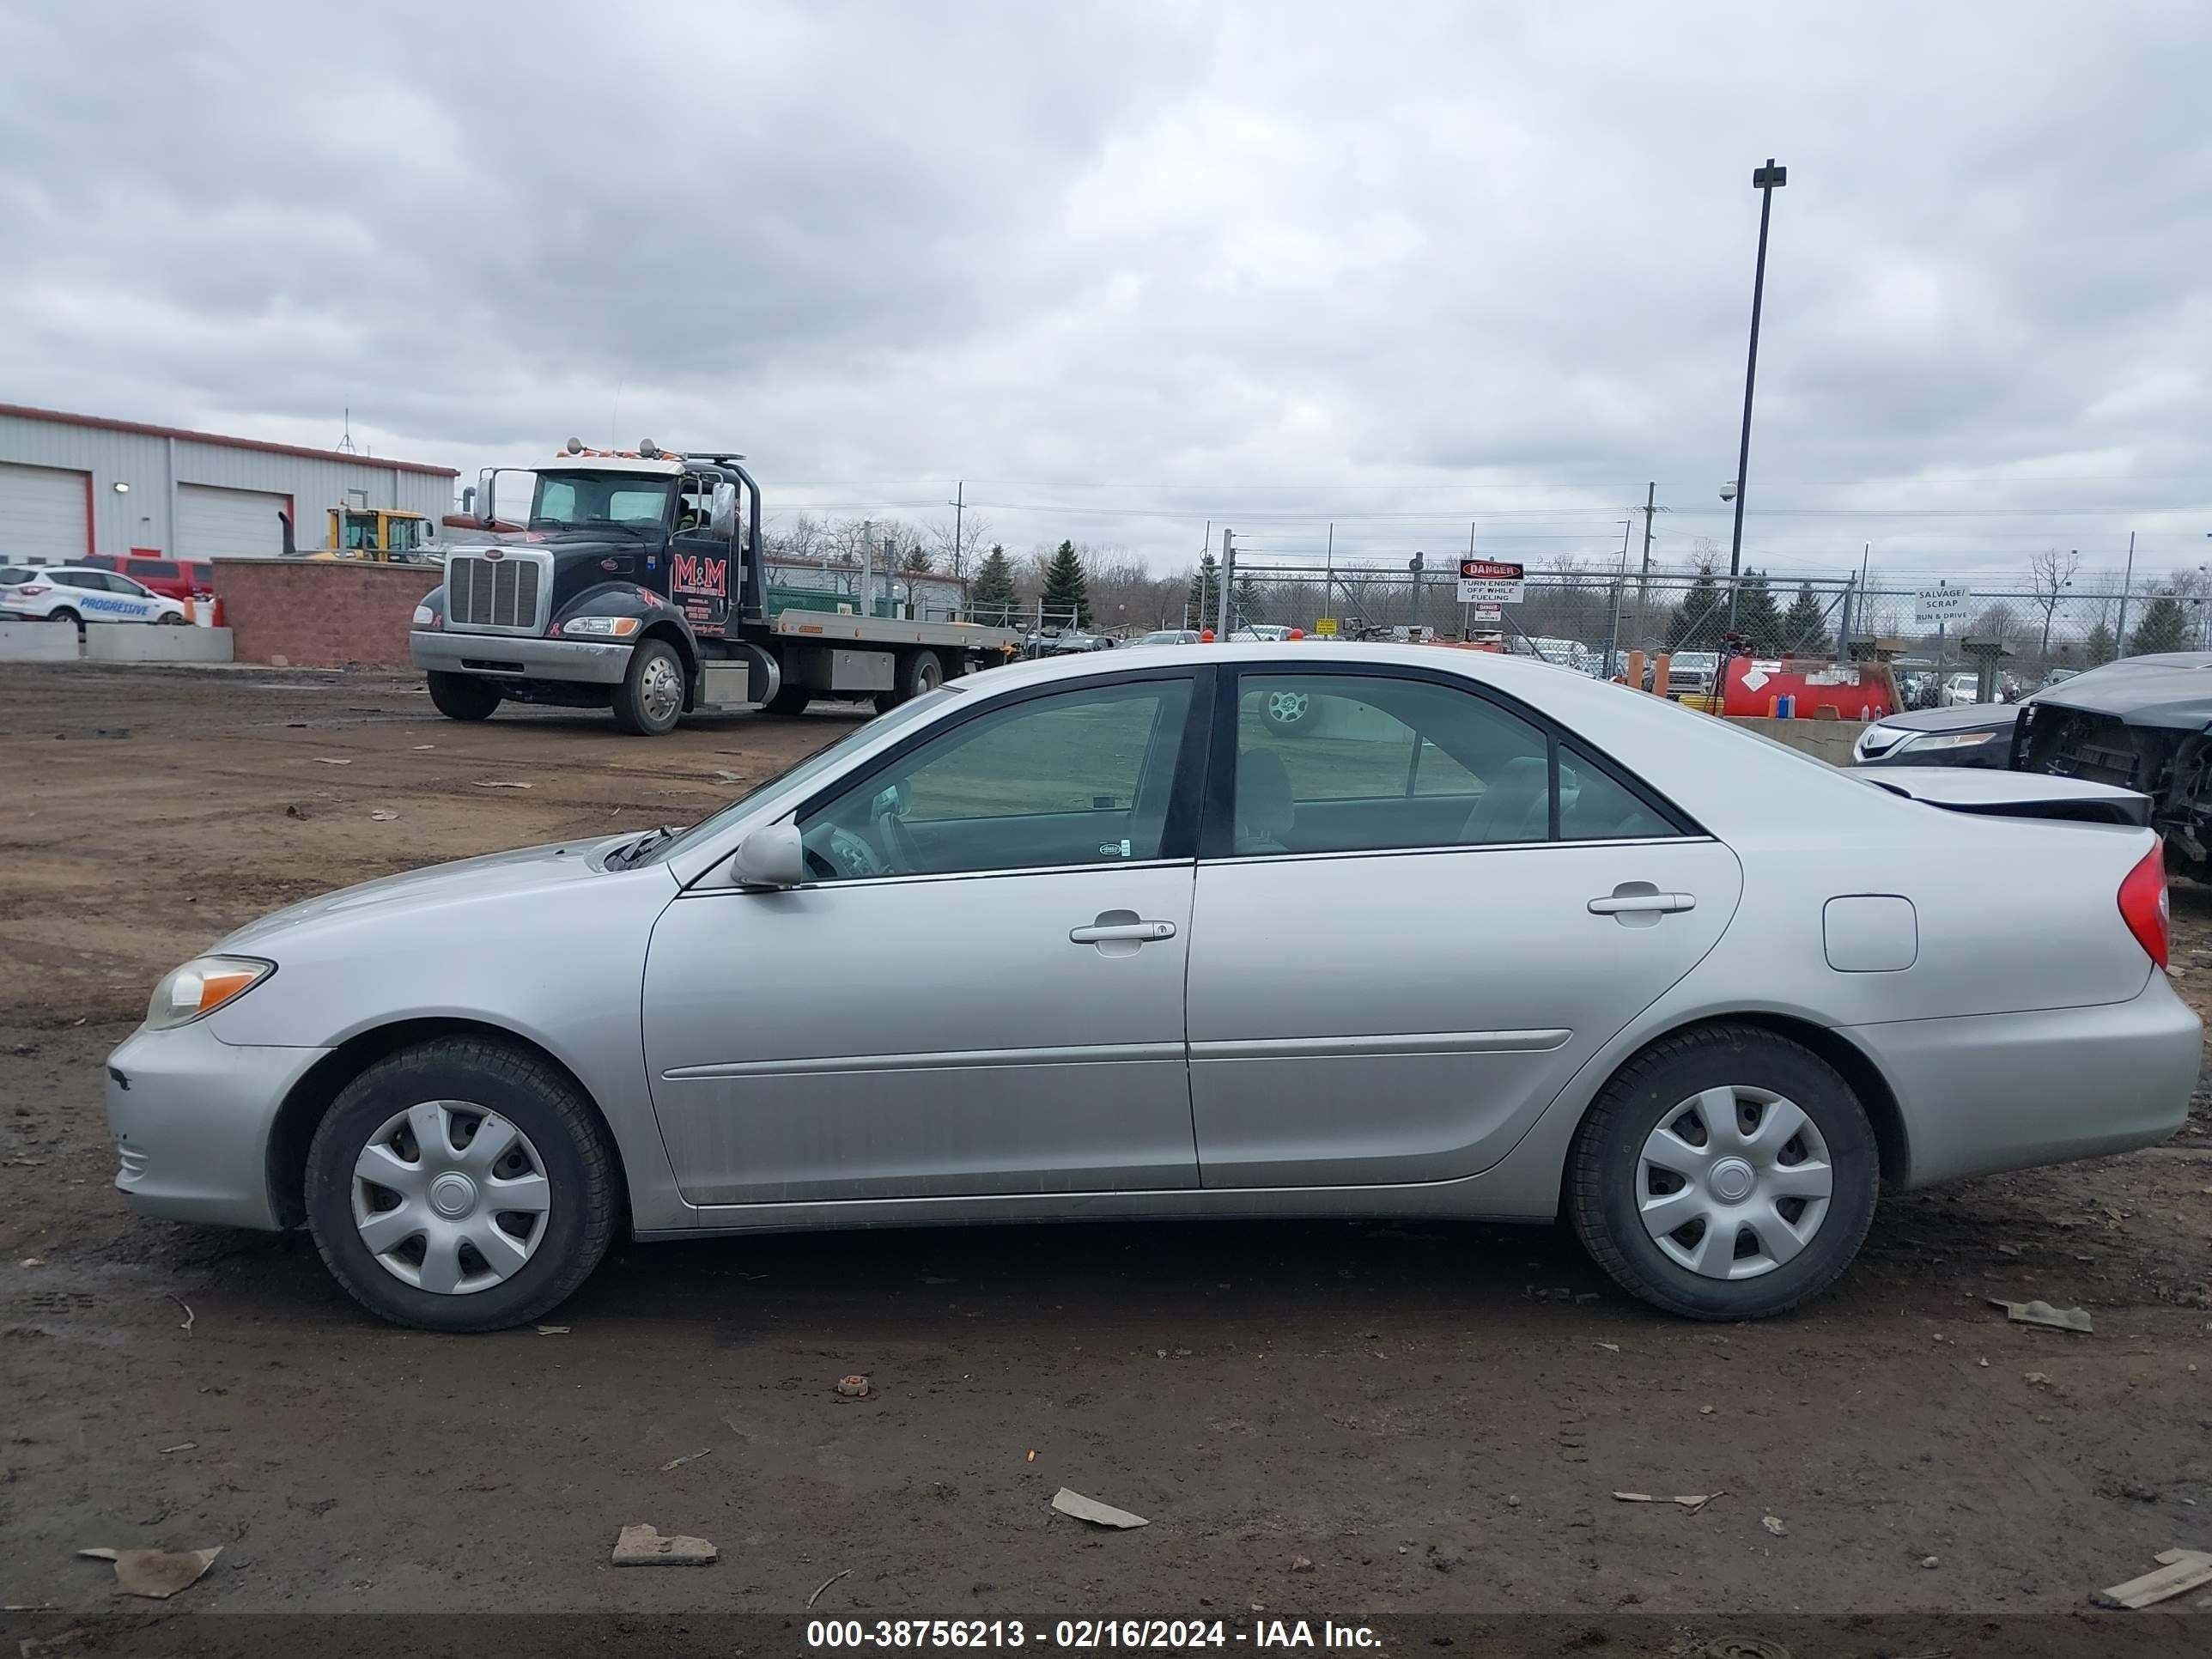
x=634 y=583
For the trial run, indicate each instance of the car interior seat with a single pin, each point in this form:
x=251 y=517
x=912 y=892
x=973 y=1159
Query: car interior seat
x=1265 y=813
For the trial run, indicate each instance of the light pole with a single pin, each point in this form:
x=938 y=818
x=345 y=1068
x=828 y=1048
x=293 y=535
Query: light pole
x=1765 y=180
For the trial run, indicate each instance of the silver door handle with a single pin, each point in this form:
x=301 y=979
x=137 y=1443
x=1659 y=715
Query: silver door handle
x=1631 y=904
x=1135 y=932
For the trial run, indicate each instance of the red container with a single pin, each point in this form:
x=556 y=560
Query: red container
x=1812 y=690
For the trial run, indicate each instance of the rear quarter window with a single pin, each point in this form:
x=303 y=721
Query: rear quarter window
x=153 y=569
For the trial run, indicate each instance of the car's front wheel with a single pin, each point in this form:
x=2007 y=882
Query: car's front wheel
x=461 y=1185
x=1726 y=1174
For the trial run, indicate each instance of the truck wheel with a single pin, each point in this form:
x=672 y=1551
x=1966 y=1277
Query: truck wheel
x=650 y=699
x=918 y=672
x=789 y=699
x=463 y=696
x=460 y=1185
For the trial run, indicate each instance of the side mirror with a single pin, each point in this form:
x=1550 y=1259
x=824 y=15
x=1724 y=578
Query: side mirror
x=773 y=856
x=722 y=524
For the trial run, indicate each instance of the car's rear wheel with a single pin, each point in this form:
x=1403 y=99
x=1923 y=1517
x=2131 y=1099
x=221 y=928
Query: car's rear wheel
x=66 y=615
x=463 y=696
x=1726 y=1174
x=460 y=1186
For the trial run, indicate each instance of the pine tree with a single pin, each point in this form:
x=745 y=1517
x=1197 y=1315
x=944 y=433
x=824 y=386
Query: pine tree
x=1205 y=595
x=1803 y=633
x=1250 y=604
x=992 y=598
x=2098 y=647
x=915 y=560
x=1699 y=619
x=1066 y=591
x=2164 y=626
x=1757 y=616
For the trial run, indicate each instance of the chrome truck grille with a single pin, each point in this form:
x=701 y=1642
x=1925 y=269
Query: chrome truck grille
x=498 y=590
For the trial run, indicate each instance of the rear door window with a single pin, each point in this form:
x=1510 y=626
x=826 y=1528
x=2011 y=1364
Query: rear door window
x=153 y=569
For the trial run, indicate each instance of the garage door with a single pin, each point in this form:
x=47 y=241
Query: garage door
x=41 y=513
x=212 y=520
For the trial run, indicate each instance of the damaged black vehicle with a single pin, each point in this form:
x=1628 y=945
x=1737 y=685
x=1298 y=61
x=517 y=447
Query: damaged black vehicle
x=2144 y=723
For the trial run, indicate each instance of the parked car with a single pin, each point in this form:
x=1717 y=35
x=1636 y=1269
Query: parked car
x=176 y=579
x=1979 y=736
x=1960 y=690
x=1558 y=945
x=1169 y=636
x=1689 y=674
x=73 y=594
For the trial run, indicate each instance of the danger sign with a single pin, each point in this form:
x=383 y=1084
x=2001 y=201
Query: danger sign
x=1489 y=581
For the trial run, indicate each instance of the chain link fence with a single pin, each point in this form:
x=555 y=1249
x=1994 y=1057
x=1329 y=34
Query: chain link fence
x=1593 y=619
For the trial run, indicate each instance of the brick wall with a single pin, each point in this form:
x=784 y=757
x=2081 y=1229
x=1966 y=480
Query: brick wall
x=306 y=613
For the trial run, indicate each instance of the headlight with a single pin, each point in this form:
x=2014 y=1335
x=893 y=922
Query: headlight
x=425 y=617
x=616 y=627
x=1947 y=741
x=202 y=986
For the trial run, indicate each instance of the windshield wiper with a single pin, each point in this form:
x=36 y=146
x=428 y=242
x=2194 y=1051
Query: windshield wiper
x=633 y=851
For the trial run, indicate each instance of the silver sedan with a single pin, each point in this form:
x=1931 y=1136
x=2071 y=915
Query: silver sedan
x=1248 y=930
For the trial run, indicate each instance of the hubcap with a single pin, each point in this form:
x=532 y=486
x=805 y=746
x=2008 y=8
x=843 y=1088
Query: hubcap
x=1288 y=707
x=450 y=1198
x=659 y=689
x=1733 y=1182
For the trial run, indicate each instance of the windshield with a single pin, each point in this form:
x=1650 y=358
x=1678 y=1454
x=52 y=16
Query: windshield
x=797 y=778
x=568 y=499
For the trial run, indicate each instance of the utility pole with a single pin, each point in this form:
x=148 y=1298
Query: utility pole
x=959 y=506
x=1465 y=616
x=1612 y=646
x=1328 y=574
x=2120 y=644
x=1765 y=180
x=1228 y=575
x=1643 y=581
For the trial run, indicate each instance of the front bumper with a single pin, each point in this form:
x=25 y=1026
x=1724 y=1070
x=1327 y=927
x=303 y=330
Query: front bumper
x=519 y=656
x=2009 y=1091
x=191 y=1115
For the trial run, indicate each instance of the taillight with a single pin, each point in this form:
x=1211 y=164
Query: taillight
x=31 y=589
x=2143 y=904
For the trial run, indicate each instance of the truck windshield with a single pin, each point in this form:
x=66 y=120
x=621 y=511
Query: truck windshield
x=564 y=499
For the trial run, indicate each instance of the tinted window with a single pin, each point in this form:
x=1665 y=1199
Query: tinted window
x=1079 y=777
x=97 y=581
x=153 y=569
x=205 y=574
x=1333 y=762
x=1594 y=806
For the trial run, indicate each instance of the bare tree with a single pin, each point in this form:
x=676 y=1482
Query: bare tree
x=955 y=543
x=2052 y=572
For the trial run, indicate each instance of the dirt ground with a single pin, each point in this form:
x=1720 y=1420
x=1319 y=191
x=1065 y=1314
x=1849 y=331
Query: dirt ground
x=1321 y=1418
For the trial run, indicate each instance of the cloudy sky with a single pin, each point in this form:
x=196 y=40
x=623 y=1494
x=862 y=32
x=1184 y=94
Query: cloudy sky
x=1127 y=268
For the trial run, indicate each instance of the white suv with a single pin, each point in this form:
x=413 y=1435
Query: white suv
x=68 y=593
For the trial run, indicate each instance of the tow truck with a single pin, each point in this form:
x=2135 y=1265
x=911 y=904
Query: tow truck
x=637 y=585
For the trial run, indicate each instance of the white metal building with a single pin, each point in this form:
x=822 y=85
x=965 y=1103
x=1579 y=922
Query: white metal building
x=76 y=484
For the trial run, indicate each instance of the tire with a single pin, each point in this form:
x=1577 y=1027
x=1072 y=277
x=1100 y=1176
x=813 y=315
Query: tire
x=650 y=699
x=560 y=1142
x=463 y=696
x=1786 y=1244
x=916 y=674
x=1288 y=714
x=789 y=699
x=69 y=616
